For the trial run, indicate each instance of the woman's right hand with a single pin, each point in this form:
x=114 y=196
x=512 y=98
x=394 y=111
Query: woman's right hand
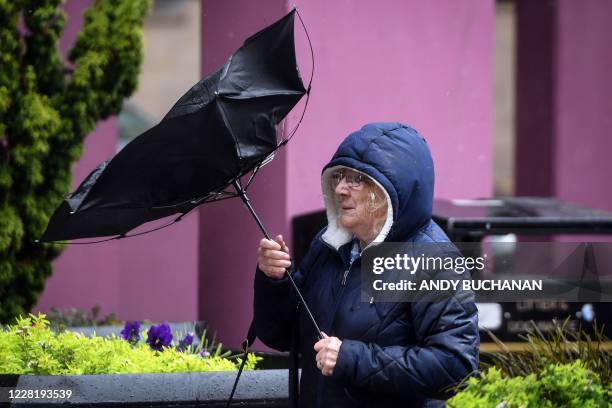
x=273 y=257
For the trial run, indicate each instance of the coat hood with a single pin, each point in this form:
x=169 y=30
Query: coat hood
x=397 y=158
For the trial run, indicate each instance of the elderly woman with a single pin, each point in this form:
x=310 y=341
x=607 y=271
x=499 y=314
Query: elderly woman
x=377 y=187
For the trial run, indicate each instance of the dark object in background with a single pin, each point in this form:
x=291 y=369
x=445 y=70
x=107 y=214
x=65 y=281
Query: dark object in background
x=472 y=220
x=304 y=229
x=223 y=128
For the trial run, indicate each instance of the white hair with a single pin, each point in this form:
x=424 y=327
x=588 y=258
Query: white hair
x=336 y=235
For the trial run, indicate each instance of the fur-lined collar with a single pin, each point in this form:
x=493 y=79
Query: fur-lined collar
x=336 y=235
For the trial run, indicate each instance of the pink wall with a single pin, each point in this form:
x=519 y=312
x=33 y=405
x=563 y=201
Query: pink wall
x=583 y=103
x=564 y=100
x=228 y=234
x=426 y=64
x=149 y=277
x=85 y=275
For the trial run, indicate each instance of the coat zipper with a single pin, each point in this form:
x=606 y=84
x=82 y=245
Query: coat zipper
x=344 y=277
x=334 y=310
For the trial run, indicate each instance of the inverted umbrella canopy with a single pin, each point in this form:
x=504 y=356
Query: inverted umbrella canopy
x=223 y=128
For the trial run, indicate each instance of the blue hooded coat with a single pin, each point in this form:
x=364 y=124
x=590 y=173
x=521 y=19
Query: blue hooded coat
x=392 y=354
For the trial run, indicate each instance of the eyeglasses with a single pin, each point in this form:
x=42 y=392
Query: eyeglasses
x=353 y=179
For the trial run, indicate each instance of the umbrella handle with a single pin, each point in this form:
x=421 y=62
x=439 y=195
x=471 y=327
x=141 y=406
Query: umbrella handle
x=247 y=204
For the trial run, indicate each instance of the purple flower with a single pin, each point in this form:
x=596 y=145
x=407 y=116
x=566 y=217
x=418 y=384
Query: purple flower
x=204 y=353
x=159 y=336
x=186 y=342
x=131 y=332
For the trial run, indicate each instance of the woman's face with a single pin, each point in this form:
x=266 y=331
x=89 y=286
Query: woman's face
x=353 y=194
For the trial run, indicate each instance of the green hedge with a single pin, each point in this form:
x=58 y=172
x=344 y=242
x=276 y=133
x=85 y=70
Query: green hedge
x=558 y=385
x=31 y=347
x=46 y=110
x=559 y=368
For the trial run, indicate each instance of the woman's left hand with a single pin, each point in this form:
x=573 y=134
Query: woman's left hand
x=327 y=353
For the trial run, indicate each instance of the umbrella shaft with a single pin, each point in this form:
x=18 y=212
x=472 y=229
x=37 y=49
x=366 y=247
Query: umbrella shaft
x=247 y=204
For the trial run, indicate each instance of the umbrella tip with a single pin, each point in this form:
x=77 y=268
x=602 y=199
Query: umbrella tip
x=295 y=6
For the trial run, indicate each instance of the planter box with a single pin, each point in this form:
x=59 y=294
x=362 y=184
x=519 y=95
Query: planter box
x=258 y=388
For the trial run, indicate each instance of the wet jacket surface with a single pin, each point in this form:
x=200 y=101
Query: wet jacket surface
x=392 y=354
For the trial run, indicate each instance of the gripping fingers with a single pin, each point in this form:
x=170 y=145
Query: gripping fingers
x=273 y=257
x=273 y=253
x=279 y=263
x=327 y=353
x=269 y=244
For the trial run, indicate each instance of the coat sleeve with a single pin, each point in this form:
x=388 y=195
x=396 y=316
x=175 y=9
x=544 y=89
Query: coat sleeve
x=274 y=309
x=275 y=303
x=446 y=353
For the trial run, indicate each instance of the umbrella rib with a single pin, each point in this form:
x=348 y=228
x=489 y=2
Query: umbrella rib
x=242 y=97
x=157 y=228
x=77 y=243
x=247 y=203
x=214 y=200
x=298 y=124
x=229 y=128
x=122 y=236
x=198 y=201
x=252 y=176
x=285 y=140
x=311 y=49
x=265 y=161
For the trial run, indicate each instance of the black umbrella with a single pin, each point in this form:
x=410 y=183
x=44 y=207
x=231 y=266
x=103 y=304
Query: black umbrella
x=222 y=129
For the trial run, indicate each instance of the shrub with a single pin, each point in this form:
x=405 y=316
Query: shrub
x=557 y=346
x=560 y=368
x=557 y=385
x=46 y=110
x=31 y=347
